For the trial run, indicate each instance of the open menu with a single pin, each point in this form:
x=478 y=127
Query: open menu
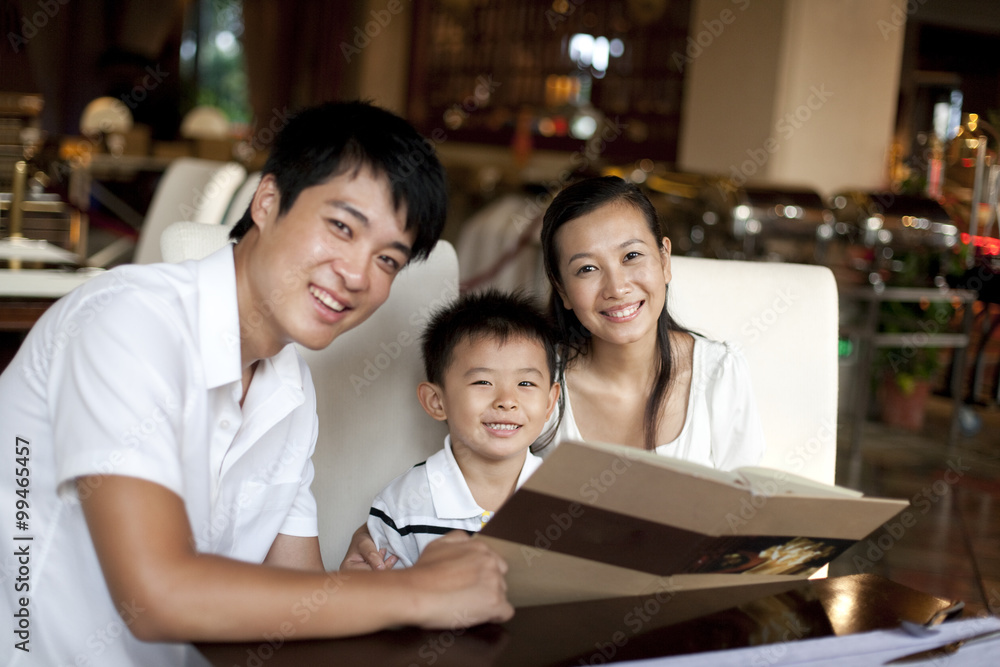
x=598 y=521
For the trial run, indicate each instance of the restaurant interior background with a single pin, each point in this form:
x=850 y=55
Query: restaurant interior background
x=839 y=132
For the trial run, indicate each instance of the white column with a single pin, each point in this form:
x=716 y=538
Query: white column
x=808 y=88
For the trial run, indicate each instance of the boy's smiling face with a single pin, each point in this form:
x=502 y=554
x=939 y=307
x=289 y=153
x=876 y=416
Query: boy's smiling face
x=496 y=397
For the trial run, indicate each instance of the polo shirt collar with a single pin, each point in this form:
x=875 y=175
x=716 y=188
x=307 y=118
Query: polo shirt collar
x=449 y=492
x=219 y=318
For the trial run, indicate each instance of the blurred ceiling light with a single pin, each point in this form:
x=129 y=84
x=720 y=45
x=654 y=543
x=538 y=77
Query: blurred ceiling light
x=453 y=119
x=595 y=52
x=225 y=41
x=602 y=54
x=583 y=125
x=581 y=49
x=189 y=46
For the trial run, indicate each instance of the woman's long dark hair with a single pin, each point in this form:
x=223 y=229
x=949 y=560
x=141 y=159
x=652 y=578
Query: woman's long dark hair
x=574 y=202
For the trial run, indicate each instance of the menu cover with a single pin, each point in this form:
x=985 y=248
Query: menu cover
x=598 y=521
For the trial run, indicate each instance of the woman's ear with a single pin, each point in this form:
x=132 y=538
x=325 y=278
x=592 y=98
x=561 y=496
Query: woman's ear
x=665 y=255
x=266 y=202
x=431 y=398
x=562 y=296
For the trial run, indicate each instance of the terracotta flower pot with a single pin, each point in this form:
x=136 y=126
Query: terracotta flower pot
x=904 y=408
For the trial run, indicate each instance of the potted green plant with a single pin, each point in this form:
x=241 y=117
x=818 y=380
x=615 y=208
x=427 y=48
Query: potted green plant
x=904 y=375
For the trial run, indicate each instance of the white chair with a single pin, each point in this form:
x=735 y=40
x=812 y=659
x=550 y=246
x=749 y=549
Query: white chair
x=190 y=189
x=241 y=200
x=784 y=317
x=371 y=427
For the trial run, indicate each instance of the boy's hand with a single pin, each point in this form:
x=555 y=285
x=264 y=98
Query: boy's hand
x=461 y=582
x=362 y=554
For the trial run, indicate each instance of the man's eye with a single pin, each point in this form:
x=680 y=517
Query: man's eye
x=340 y=225
x=390 y=262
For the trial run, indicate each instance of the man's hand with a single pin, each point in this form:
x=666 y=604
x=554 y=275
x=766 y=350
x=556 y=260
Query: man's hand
x=461 y=582
x=362 y=554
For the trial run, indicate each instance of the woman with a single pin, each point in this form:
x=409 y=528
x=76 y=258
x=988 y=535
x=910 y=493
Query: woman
x=631 y=375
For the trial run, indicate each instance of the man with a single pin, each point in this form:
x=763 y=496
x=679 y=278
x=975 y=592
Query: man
x=162 y=425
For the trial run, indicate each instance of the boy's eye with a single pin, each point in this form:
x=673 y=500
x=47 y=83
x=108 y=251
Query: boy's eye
x=482 y=382
x=526 y=383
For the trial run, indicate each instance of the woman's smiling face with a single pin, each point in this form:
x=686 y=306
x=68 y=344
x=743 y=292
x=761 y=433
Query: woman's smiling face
x=613 y=272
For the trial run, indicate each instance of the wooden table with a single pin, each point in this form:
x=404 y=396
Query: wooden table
x=597 y=632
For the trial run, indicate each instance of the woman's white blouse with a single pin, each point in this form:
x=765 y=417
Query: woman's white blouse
x=721 y=427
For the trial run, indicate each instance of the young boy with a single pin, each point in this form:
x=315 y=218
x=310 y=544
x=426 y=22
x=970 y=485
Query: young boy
x=163 y=424
x=490 y=362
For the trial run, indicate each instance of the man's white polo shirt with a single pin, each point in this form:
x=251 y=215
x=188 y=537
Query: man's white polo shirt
x=427 y=501
x=138 y=373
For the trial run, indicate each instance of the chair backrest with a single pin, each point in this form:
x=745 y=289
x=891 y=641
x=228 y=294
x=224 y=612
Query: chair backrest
x=190 y=189
x=371 y=426
x=191 y=240
x=241 y=200
x=785 y=319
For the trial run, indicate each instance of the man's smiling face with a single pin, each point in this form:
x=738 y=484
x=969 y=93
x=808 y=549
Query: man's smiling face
x=325 y=265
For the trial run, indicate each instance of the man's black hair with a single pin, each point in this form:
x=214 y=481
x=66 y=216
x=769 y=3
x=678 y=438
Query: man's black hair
x=322 y=142
x=490 y=315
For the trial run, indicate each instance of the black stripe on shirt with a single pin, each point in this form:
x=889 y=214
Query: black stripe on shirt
x=416 y=528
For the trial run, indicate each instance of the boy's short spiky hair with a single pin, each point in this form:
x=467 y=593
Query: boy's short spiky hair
x=332 y=139
x=486 y=315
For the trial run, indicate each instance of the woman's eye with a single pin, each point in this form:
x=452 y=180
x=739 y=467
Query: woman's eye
x=587 y=268
x=632 y=255
x=390 y=262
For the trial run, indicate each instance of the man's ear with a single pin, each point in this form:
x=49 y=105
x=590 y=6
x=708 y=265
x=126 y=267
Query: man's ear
x=266 y=202
x=430 y=396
